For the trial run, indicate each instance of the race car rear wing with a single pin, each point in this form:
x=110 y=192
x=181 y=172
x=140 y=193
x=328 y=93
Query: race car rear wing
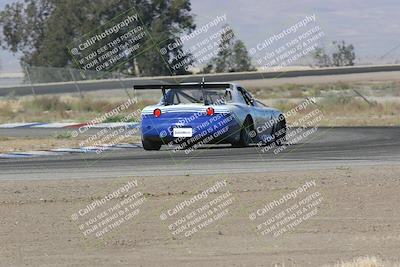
x=185 y=86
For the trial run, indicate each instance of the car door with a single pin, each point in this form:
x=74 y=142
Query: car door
x=257 y=112
x=267 y=126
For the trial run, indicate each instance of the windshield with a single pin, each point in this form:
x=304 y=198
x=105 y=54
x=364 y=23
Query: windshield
x=187 y=96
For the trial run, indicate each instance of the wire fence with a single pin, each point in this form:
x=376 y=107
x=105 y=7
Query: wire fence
x=35 y=75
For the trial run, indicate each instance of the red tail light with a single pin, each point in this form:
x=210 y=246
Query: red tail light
x=210 y=111
x=157 y=112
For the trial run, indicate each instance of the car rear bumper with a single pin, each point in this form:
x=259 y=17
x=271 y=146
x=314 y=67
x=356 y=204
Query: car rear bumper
x=219 y=128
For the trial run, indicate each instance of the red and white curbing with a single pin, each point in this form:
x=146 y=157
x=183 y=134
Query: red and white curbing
x=66 y=125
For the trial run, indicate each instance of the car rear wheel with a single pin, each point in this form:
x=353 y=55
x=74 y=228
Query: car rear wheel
x=246 y=134
x=151 y=145
x=280 y=133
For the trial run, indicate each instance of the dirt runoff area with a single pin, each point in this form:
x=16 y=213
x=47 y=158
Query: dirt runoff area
x=9 y=144
x=307 y=218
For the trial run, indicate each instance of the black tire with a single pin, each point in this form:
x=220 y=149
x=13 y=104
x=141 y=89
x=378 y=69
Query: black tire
x=246 y=138
x=280 y=133
x=151 y=145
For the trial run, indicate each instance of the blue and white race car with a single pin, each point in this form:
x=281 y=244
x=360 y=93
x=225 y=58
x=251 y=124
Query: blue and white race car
x=194 y=114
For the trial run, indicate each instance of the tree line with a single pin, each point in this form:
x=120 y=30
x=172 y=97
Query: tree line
x=41 y=30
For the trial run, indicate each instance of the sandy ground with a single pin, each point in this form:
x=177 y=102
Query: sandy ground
x=17 y=144
x=357 y=215
x=38 y=143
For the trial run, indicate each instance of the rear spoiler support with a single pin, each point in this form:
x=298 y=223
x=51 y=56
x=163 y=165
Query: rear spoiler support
x=163 y=93
x=204 y=94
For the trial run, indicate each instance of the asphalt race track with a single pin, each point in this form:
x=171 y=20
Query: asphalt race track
x=327 y=148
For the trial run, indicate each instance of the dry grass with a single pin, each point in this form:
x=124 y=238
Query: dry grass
x=340 y=103
x=366 y=262
x=303 y=90
x=61 y=108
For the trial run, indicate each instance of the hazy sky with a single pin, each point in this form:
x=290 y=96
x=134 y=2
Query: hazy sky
x=373 y=26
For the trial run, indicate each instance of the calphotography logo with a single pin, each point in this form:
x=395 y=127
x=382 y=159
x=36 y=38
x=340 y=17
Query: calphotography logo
x=279 y=217
x=104 y=215
x=198 y=212
x=115 y=29
x=111 y=44
x=289 y=46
